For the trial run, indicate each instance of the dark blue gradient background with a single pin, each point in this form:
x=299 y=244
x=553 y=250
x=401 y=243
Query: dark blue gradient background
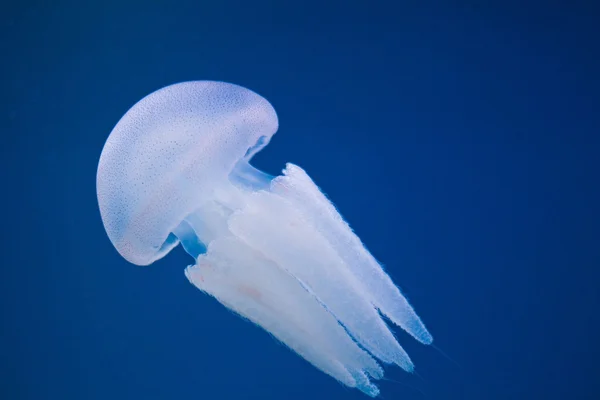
x=460 y=141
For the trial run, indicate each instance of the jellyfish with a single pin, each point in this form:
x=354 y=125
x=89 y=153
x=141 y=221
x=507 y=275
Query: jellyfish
x=273 y=249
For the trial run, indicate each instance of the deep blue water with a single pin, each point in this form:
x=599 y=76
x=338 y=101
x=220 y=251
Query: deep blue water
x=461 y=143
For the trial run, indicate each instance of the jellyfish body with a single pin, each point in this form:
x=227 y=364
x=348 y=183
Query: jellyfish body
x=175 y=170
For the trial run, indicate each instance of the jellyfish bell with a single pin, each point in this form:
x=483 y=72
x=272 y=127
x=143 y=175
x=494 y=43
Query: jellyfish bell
x=175 y=169
x=169 y=153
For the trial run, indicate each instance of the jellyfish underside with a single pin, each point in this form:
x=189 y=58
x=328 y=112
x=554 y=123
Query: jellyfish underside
x=276 y=251
x=176 y=170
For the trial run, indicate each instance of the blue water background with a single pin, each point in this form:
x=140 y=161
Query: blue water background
x=461 y=143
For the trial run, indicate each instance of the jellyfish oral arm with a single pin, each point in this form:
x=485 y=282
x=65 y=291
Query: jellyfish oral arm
x=308 y=278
